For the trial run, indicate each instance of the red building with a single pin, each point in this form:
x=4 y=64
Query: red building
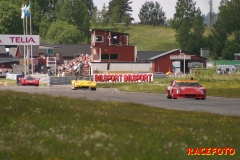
x=108 y=46
x=163 y=61
x=237 y=56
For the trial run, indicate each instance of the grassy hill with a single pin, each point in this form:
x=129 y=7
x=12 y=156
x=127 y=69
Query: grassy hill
x=147 y=37
x=150 y=38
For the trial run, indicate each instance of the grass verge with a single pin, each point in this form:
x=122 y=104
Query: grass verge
x=36 y=126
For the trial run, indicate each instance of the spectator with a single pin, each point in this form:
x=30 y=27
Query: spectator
x=42 y=68
x=63 y=74
x=75 y=65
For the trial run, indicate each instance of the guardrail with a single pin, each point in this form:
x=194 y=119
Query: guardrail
x=11 y=76
x=155 y=75
x=61 y=80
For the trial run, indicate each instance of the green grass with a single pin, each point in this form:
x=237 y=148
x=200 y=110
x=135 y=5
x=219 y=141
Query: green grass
x=43 y=127
x=9 y=82
x=150 y=38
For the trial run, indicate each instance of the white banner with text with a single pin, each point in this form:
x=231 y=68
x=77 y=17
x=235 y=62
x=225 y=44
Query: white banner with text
x=19 y=39
x=141 y=77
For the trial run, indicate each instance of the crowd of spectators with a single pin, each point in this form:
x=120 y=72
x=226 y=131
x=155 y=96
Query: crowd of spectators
x=74 y=66
x=5 y=70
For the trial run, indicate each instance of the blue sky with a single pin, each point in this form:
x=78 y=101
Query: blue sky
x=167 y=5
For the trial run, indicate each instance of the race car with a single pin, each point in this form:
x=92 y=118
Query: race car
x=83 y=82
x=186 y=89
x=28 y=80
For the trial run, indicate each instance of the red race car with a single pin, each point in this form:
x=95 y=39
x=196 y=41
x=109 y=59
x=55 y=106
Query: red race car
x=28 y=80
x=186 y=89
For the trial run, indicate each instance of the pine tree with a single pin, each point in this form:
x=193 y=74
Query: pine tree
x=227 y=23
x=189 y=26
x=123 y=7
x=185 y=11
x=197 y=40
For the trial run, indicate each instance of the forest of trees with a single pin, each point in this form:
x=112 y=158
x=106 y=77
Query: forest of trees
x=64 y=21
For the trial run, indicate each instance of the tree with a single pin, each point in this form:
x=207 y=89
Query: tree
x=44 y=25
x=152 y=14
x=196 y=40
x=62 y=32
x=226 y=24
x=217 y=39
x=75 y=13
x=18 y=3
x=46 y=6
x=123 y=7
x=183 y=34
x=189 y=26
x=115 y=17
x=10 y=19
x=90 y=6
x=231 y=48
x=35 y=16
x=100 y=17
x=103 y=15
x=229 y=15
x=95 y=18
x=185 y=10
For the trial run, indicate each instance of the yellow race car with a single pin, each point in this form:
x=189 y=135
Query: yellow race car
x=83 y=82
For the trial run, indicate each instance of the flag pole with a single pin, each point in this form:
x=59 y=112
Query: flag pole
x=24 y=32
x=24 y=47
x=31 y=45
x=27 y=45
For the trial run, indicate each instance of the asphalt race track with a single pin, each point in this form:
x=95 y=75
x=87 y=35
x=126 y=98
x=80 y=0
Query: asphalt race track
x=225 y=106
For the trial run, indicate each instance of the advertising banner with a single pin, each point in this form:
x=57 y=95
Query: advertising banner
x=179 y=57
x=19 y=39
x=143 y=77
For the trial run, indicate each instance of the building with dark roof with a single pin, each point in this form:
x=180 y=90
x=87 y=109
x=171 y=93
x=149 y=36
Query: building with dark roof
x=2 y=51
x=237 y=56
x=163 y=61
x=143 y=56
x=63 y=51
x=67 y=51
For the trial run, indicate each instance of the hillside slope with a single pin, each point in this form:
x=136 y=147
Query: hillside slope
x=150 y=38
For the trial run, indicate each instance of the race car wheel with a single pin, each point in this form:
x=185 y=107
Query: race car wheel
x=91 y=89
x=172 y=96
x=73 y=87
x=200 y=98
x=168 y=97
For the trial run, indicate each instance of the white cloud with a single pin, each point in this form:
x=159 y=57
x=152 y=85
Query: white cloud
x=167 y=5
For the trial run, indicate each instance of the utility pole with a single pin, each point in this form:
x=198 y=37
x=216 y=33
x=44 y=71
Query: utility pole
x=210 y=14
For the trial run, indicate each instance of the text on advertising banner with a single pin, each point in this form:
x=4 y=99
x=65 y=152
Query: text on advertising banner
x=143 y=77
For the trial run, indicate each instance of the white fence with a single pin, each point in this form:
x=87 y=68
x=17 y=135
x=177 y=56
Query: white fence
x=115 y=67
